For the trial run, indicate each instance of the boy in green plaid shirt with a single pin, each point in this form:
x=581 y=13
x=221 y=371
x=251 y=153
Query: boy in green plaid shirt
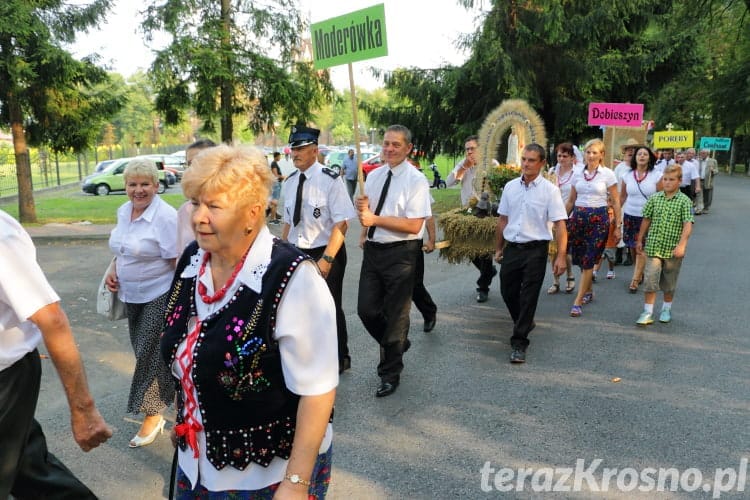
x=666 y=227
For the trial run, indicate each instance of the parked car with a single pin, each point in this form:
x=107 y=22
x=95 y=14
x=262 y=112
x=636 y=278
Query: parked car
x=102 y=165
x=172 y=163
x=111 y=178
x=335 y=160
x=371 y=164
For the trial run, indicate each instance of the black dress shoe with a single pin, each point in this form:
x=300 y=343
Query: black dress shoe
x=345 y=364
x=517 y=356
x=429 y=324
x=386 y=389
x=482 y=296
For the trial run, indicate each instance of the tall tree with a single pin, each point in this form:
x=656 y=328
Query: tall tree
x=39 y=80
x=557 y=54
x=228 y=58
x=561 y=55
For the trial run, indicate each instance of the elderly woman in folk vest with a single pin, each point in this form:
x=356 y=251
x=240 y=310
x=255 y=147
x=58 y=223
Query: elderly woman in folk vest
x=250 y=336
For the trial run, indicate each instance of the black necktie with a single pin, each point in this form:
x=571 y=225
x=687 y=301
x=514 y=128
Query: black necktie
x=383 y=194
x=298 y=199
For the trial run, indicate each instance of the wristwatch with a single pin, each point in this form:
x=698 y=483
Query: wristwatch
x=295 y=479
x=328 y=258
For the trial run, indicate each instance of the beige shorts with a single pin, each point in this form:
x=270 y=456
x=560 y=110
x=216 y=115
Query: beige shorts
x=661 y=274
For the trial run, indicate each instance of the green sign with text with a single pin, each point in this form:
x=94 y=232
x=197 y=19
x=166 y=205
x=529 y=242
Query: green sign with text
x=716 y=143
x=352 y=37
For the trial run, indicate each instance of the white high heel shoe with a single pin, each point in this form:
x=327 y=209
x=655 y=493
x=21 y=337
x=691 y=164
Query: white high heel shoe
x=138 y=441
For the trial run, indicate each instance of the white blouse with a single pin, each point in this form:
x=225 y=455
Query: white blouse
x=591 y=190
x=638 y=192
x=145 y=248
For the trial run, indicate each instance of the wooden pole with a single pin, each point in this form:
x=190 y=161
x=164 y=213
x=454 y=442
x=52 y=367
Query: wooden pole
x=355 y=122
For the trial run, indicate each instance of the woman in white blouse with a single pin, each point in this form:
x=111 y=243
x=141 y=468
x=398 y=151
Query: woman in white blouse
x=564 y=172
x=144 y=243
x=588 y=224
x=638 y=183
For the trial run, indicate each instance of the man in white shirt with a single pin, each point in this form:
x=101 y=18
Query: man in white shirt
x=30 y=312
x=464 y=173
x=690 y=183
x=318 y=225
x=665 y=160
x=530 y=205
x=392 y=212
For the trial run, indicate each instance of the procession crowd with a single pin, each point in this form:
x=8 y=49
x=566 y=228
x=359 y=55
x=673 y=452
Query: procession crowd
x=245 y=333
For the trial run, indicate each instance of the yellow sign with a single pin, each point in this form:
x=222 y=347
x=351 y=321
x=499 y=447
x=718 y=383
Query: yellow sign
x=674 y=139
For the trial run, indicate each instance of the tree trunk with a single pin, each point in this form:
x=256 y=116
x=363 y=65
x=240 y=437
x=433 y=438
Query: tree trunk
x=26 y=208
x=227 y=90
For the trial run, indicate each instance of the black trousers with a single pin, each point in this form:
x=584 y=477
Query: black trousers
x=521 y=278
x=420 y=296
x=708 y=196
x=688 y=191
x=335 y=282
x=386 y=284
x=27 y=469
x=486 y=272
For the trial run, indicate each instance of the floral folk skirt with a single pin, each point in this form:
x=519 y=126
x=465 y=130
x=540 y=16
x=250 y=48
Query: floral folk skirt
x=587 y=235
x=631 y=225
x=321 y=478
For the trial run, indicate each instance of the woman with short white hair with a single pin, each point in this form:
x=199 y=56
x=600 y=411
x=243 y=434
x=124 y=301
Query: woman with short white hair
x=144 y=243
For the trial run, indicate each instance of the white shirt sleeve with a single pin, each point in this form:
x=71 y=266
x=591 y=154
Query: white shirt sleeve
x=306 y=331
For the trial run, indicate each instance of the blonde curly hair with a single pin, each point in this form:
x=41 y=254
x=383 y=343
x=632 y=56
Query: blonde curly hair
x=241 y=173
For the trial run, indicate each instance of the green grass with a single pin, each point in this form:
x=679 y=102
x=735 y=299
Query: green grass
x=71 y=205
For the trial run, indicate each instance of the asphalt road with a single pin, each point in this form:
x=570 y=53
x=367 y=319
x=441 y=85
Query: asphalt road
x=681 y=401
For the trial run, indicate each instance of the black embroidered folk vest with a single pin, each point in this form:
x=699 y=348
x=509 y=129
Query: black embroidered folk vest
x=248 y=413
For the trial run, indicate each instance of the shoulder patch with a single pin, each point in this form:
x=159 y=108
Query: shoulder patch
x=330 y=172
x=291 y=175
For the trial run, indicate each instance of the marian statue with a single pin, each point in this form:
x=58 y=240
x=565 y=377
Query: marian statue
x=515 y=146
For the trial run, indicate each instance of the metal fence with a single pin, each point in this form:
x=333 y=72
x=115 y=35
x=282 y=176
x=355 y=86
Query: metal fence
x=49 y=170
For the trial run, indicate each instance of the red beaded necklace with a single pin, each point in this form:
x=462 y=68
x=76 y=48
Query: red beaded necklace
x=210 y=299
x=589 y=179
x=561 y=182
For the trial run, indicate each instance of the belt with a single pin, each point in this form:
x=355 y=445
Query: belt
x=313 y=249
x=528 y=244
x=392 y=244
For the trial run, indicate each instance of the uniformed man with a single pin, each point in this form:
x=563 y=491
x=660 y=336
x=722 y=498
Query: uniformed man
x=392 y=211
x=316 y=210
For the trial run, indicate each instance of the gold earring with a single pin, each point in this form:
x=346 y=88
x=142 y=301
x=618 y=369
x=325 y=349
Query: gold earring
x=248 y=230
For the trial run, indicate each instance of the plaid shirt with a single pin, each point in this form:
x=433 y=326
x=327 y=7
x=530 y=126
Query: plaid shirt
x=667 y=218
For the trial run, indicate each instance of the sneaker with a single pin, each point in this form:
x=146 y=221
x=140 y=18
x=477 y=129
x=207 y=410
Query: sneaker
x=610 y=275
x=665 y=316
x=646 y=318
x=517 y=356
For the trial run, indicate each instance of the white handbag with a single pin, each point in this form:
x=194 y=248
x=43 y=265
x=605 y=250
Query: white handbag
x=108 y=304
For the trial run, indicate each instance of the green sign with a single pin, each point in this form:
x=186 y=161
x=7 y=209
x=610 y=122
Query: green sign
x=352 y=37
x=716 y=143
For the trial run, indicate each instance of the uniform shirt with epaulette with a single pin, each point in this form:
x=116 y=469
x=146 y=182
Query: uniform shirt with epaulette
x=325 y=203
